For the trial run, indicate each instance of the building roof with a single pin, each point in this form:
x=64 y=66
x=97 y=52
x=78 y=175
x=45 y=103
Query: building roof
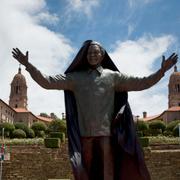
x=46 y=119
x=171 y=109
x=21 y=110
x=150 y=118
x=7 y=105
x=174 y=108
x=41 y=118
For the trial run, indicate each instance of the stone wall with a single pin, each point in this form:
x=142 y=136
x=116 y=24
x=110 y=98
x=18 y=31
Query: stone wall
x=40 y=163
x=37 y=163
x=164 y=164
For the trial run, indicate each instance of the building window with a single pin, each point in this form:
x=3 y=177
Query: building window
x=177 y=87
x=16 y=89
x=16 y=106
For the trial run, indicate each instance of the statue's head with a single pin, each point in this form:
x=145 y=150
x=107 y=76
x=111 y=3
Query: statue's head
x=91 y=54
x=95 y=54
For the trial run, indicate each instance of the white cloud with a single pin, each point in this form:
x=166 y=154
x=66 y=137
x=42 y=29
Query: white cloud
x=138 y=3
x=48 y=51
x=137 y=58
x=131 y=28
x=83 y=6
x=48 y=18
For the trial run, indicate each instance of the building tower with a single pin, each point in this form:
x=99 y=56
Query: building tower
x=18 y=94
x=174 y=88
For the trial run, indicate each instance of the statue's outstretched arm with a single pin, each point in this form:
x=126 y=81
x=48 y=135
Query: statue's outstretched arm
x=130 y=83
x=48 y=82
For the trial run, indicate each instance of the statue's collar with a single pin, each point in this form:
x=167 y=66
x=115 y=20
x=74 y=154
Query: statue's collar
x=99 y=69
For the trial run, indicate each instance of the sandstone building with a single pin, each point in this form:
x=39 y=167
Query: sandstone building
x=173 y=111
x=17 y=109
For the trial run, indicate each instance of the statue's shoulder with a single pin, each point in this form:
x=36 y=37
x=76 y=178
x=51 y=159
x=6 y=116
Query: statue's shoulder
x=76 y=74
x=109 y=71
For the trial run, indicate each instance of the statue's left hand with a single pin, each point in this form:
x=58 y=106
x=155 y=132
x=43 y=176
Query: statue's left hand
x=169 y=62
x=19 y=56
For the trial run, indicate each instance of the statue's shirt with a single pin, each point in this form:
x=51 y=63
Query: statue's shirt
x=94 y=91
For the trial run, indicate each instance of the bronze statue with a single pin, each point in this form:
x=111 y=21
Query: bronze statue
x=102 y=141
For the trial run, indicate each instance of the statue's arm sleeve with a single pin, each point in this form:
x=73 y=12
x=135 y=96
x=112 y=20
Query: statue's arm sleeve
x=60 y=82
x=129 y=83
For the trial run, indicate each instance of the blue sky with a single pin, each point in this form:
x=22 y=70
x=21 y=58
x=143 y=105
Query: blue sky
x=136 y=33
x=117 y=19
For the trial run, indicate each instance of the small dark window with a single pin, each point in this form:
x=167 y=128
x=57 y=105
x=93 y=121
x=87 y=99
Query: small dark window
x=16 y=106
x=16 y=89
x=177 y=87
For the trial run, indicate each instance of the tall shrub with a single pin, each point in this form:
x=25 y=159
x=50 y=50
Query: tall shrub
x=18 y=133
x=171 y=125
x=8 y=128
x=39 y=128
x=156 y=127
x=176 y=130
x=157 y=124
x=57 y=126
x=29 y=132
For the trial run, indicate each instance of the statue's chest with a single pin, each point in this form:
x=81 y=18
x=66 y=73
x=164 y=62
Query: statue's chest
x=94 y=85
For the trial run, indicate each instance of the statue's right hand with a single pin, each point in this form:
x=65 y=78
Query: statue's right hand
x=18 y=55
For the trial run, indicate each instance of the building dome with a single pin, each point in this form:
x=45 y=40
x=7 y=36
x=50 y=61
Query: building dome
x=19 y=78
x=18 y=94
x=174 y=88
x=175 y=73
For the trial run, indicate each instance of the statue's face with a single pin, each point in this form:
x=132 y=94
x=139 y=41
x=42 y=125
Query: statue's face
x=94 y=55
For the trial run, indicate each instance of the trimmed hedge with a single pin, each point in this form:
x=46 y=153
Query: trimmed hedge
x=39 y=126
x=172 y=125
x=40 y=134
x=139 y=133
x=20 y=125
x=8 y=128
x=29 y=132
x=155 y=132
x=157 y=124
x=141 y=125
x=18 y=133
x=39 y=129
x=58 y=135
x=144 y=141
x=52 y=142
x=176 y=130
x=168 y=133
x=57 y=126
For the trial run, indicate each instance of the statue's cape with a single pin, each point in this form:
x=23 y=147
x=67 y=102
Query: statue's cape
x=127 y=150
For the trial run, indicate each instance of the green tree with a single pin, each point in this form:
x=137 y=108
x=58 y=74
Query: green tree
x=171 y=125
x=8 y=128
x=142 y=126
x=18 y=133
x=176 y=130
x=44 y=114
x=157 y=124
x=57 y=126
x=53 y=116
x=29 y=132
x=38 y=127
